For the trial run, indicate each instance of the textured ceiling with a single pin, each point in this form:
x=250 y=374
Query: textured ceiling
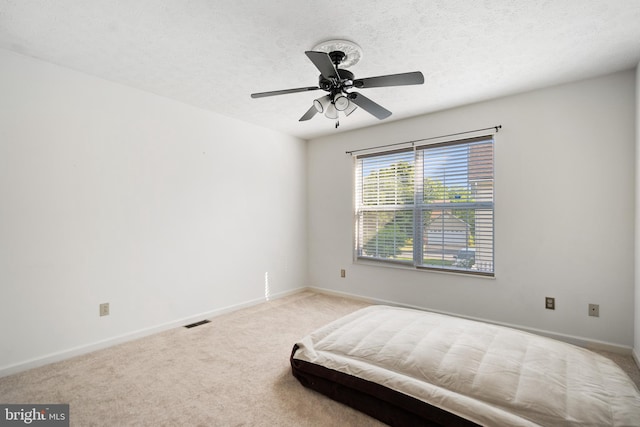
x=214 y=54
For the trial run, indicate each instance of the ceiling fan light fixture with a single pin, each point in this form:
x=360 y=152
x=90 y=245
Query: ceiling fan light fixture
x=341 y=102
x=322 y=103
x=350 y=109
x=331 y=112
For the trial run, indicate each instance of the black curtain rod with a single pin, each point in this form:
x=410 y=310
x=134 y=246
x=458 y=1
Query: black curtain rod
x=497 y=129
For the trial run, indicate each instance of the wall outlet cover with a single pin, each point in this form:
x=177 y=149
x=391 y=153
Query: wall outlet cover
x=104 y=309
x=549 y=303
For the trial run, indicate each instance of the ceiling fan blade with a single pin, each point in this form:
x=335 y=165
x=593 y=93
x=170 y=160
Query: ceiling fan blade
x=283 y=92
x=369 y=106
x=414 y=78
x=309 y=114
x=323 y=63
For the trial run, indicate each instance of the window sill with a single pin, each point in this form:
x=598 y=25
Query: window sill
x=409 y=267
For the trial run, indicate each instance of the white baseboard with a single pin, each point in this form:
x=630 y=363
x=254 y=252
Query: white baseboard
x=99 y=345
x=579 y=341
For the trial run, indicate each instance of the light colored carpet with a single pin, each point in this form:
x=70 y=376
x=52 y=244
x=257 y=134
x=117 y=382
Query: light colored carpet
x=233 y=371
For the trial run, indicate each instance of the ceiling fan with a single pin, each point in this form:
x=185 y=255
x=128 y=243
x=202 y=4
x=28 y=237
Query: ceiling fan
x=339 y=83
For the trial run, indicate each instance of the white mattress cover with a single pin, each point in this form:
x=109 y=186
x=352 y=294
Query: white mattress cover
x=492 y=375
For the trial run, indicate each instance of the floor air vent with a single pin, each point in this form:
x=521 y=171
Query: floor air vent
x=193 y=325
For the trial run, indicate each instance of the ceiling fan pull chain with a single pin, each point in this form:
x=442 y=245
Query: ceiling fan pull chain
x=337 y=124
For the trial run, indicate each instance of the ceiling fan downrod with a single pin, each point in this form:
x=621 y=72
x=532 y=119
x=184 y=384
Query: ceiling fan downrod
x=337 y=56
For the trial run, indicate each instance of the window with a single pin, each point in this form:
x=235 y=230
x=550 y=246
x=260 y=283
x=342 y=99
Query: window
x=430 y=207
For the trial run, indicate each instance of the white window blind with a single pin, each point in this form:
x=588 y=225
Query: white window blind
x=428 y=207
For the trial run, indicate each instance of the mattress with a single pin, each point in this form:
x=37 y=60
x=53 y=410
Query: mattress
x=408 y=367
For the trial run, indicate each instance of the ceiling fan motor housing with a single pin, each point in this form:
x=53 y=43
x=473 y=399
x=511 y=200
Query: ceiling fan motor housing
x=344 y=81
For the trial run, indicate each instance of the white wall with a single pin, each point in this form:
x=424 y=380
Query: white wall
x=636 y=345
x=109 y=194
x=564 y=218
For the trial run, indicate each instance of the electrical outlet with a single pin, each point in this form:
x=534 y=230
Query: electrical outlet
x=549 y=303
x=343 y=273
x=104 y=309
x=594 y=310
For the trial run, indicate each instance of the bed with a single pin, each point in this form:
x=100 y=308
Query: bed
x=411 y=367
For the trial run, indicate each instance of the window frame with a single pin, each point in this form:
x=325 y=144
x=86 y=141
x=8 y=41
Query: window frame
x=485 y=208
